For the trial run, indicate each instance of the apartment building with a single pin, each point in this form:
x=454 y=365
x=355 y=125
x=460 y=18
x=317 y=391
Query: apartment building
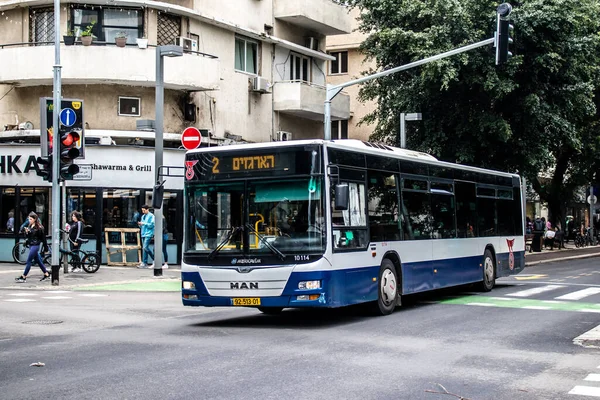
x=252 y=71
x=350 y=64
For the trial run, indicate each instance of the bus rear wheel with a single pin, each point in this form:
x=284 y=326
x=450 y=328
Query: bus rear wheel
x=387 y=291
x=270 y=310
x=489 y=272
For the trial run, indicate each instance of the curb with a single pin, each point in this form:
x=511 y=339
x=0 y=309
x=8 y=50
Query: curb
x=581 y=256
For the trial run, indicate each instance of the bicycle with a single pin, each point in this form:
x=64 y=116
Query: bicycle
x=19 y=249
x=79 y=258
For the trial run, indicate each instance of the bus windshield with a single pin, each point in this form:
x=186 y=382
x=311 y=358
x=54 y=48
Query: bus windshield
x=280 y=216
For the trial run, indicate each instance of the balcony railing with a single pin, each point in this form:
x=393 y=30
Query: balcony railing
x=29 y=64
x=307 y=100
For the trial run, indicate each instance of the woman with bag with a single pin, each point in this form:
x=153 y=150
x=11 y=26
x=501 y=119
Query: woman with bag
x=75 y=232
x=37 y=238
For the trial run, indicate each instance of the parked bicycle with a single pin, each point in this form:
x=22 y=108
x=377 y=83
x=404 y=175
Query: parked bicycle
x=89 y=261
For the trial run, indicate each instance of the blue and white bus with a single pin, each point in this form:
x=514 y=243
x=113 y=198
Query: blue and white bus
x=316 y=223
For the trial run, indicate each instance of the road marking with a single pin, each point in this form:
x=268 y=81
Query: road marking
x=589 y=338
x=536 y=308
x=58 y=291
x=529 y=277
x=21 y=294
x=57 y=297
x=589 y=310
x=586 y=391
x=93 y=295
x=19 y=300
x=580 y=294
x=534 y=291
x=480 y=304
x=531 y=304
x=593 y=378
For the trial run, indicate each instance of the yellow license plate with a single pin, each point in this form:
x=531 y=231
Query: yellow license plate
x=246 y=301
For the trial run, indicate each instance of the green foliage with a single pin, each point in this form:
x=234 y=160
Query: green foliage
x=535 y=115
x=88 y=30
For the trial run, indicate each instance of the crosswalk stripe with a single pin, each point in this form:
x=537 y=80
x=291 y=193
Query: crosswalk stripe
x=57 y=297
x=589 y=310
x=536 y=308
x=534 y=291
x=580 y=294
x=586 y=391
x=93 y=295
x=593 y=378
x=19 y=300
x=480 y=304
x=22 y=294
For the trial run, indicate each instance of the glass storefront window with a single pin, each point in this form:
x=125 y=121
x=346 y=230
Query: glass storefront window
x=169 y=210
x=121 y=209
x=84 y=201
x=36 y=200
x=8 y=211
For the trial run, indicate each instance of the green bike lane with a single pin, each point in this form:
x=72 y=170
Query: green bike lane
x=526 y=304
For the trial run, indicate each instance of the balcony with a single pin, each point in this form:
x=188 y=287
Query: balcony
x=307 y=101
x=32 y=66
x=321 y=16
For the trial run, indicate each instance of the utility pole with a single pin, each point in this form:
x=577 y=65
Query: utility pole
x=56 y=148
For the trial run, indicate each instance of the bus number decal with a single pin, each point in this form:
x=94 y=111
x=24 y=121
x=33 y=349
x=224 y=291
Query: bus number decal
x=215 y=168
x=302 y=257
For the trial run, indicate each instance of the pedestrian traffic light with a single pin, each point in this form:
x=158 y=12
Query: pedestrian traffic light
x=68 y=153
x=503 y=34
x=44 y=167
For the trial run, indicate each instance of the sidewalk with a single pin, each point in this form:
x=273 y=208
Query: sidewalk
x=569 y=252
x=106 y=278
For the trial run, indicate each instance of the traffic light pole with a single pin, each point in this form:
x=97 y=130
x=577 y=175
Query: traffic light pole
x=56 y=148
x=158 y=160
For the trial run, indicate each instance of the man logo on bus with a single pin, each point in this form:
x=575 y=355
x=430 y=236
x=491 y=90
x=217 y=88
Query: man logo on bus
x=511 y=255
x=189 y=169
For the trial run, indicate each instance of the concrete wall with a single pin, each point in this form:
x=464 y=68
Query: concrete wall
x=101 y=103
x=253 y=14
x=301 y=128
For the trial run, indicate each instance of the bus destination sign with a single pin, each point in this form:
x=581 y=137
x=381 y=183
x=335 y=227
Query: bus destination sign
x=229 y=165
x=247 y=163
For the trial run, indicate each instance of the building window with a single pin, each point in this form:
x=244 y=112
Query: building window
x=169 y=28
x=41 y=26
x=129 y=106
x=340 y=64
x=109 y=22
x=339 y=129
x=246 y=55
x=300 y=68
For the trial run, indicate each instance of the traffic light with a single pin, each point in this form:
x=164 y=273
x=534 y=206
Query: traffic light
x=44 y=167
x=68 y=153
x=503 y=34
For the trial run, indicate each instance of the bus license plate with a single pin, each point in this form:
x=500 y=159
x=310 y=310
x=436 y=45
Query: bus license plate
x=246 y=301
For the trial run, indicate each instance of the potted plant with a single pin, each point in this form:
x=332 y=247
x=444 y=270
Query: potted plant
x=142 y=43
x=87 y=35
x=69 y=38
x=121 y=39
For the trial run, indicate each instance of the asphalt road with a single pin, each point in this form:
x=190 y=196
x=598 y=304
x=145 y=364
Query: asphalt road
x=513 y=343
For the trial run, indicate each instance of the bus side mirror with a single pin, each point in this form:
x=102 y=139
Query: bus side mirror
x=341 y=196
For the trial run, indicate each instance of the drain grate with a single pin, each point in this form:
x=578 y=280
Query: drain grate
x=44 y=322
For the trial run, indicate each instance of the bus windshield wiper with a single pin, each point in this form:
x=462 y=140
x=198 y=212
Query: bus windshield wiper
x=273 y=249
x=232 y=232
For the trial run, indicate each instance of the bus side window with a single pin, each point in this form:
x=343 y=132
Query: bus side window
x=383 y=207
x=466 y=201
x=349 y=226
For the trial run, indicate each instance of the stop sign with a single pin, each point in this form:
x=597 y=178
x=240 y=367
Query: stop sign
x=190 y=138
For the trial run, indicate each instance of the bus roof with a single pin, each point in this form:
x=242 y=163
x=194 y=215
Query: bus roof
x=355 y=145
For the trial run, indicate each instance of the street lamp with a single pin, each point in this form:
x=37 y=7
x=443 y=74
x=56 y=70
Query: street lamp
x=403 y=118
x=161 y=51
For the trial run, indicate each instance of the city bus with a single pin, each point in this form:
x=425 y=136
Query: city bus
x=314 y=223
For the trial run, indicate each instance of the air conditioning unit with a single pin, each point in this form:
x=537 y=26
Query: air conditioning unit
x=282 y=136
x=187 y=44
x=312 y=43
x=260 y=85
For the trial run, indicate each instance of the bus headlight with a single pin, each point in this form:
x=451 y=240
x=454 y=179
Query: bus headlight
x=189 y=285
x=306 y=285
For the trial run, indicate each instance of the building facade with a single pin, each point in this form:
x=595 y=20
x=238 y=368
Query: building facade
x=252 y=71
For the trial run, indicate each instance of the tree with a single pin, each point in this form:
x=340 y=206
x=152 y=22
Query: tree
x=536 y=115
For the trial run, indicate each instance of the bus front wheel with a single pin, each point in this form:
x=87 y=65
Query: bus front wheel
x=489 y=272
x=387 y=297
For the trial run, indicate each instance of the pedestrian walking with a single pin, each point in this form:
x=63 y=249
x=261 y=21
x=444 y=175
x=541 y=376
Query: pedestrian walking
x=37 y=237
x=75 y=232
x=164 y=243
x=147 y=232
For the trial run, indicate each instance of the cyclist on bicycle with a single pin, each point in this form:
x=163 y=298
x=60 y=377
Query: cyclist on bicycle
x=75 y=232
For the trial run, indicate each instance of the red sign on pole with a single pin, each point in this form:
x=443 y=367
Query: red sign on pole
x=191 y=138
